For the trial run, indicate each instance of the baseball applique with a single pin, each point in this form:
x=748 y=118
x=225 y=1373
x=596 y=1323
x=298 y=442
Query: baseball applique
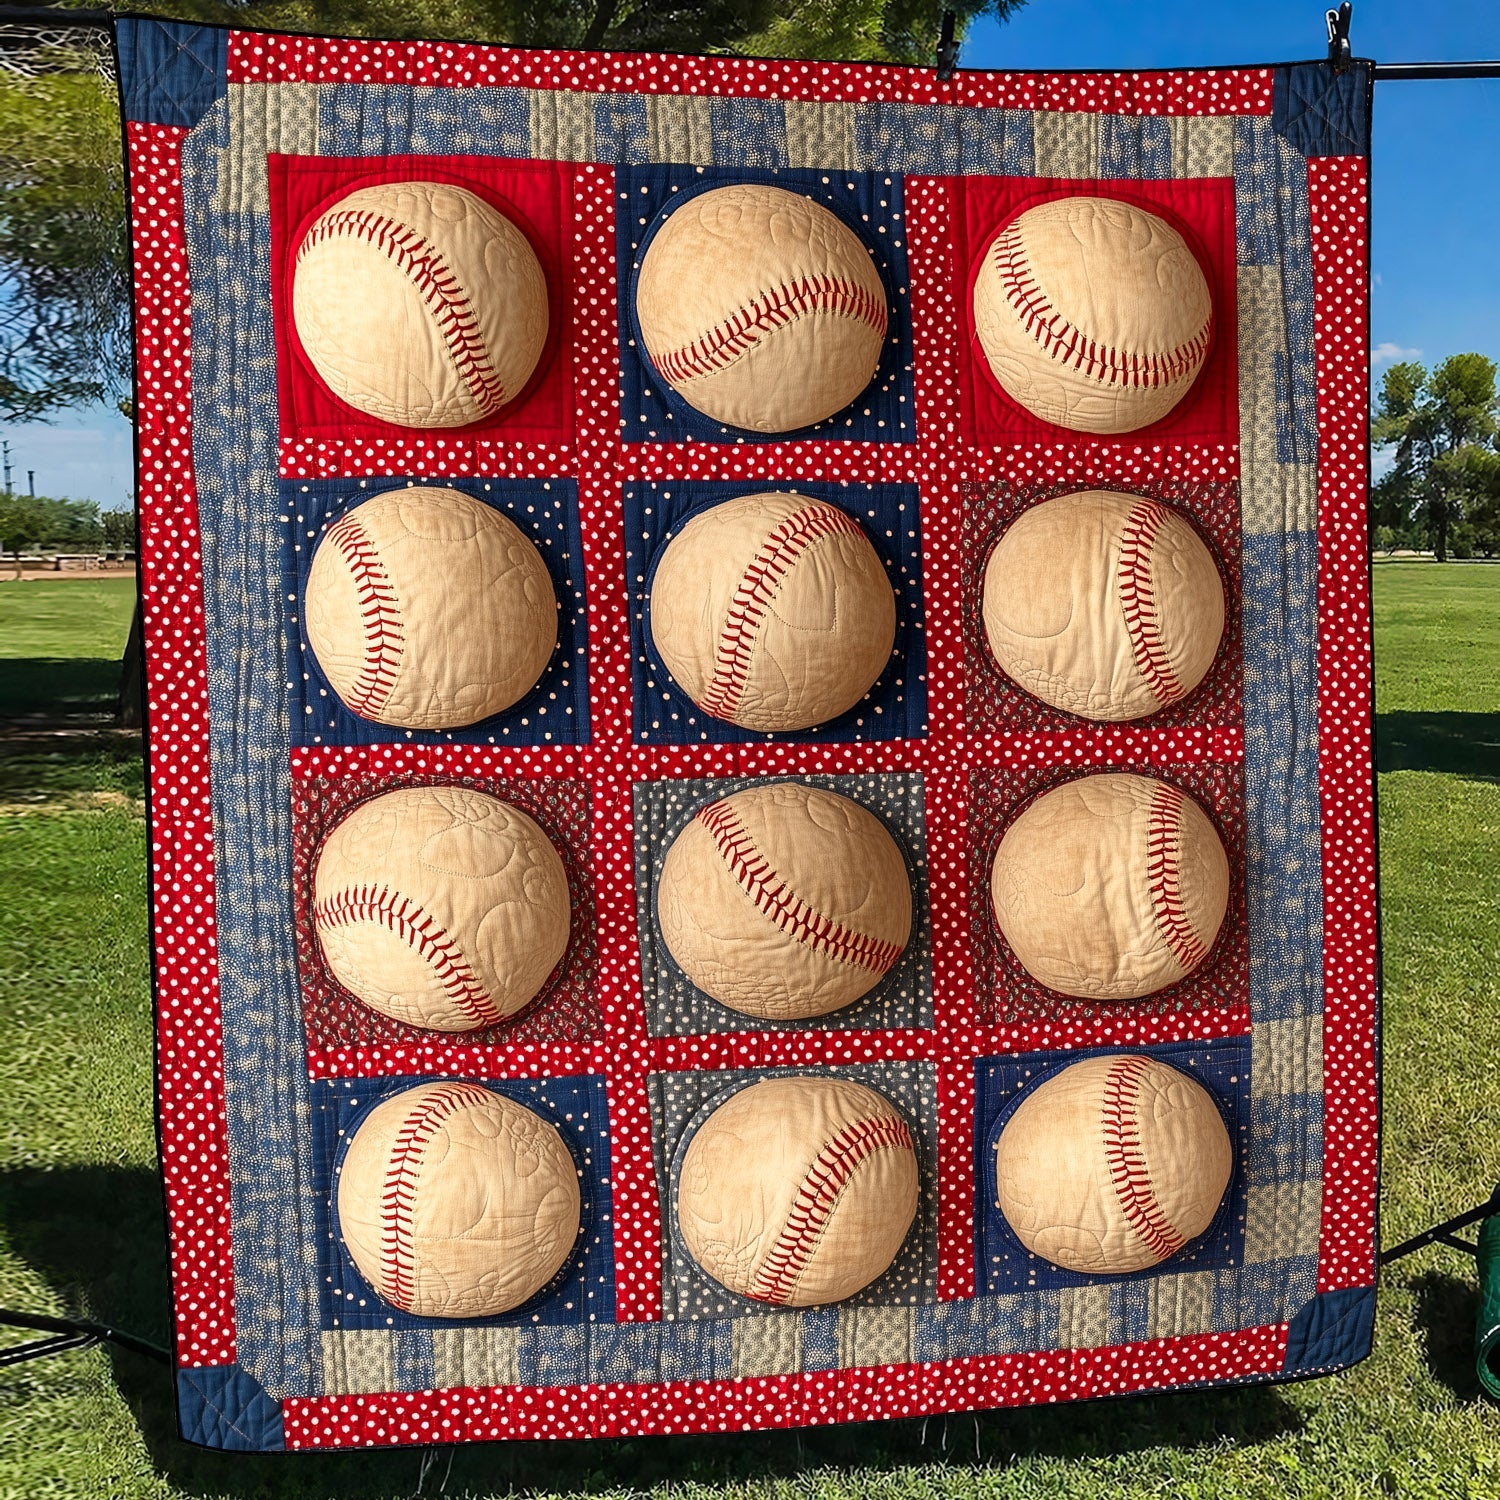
x=420 y=304
x=1105 y=605
x=457 y=1202
x=760 y=308
x=428 y=609
x=798 y=1191
x=1112 y=1165
x=773 y=611
x=785 y=901
x=1092 y=314
x=440 y=907
x=1111 y=886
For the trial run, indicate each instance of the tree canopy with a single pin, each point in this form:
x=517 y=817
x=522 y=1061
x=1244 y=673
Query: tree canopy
x=1440 y=427
x=40 y=523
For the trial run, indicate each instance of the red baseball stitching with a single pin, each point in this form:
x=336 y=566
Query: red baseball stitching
x=1165 y=880
x=437 y=283
x=1060 y=340
x=818 y=1195
x=1127 y=1166
x=762 y=316
x=398 y=1196
x=402 y=916
x=1143 y=525
x=380 y=613
x=754 y=594
x=774 y=899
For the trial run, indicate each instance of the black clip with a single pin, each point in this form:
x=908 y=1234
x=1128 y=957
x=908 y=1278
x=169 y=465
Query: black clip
x=1340 y=58
x=947 y=48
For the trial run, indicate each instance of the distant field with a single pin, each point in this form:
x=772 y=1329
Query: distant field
x=80 y=1205
x=60 y=646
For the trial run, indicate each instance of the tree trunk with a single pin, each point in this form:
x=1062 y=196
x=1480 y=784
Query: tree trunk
x=1440 y=539
x=132 y=676
x=598 y=28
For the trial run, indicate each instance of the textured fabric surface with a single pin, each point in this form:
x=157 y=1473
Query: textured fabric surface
x=237 y=141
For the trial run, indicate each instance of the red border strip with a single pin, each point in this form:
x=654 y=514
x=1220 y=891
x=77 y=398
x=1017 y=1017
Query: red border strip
x=264 y=57
x=1338 y=208
x=189 y=1046
x=816 y=1398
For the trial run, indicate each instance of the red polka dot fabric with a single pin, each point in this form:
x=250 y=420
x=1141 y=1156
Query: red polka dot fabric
x=987 y=747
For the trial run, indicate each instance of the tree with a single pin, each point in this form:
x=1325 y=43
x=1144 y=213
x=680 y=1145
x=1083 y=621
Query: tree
x=119 y=530
x=39 y=521
x=1440 y=426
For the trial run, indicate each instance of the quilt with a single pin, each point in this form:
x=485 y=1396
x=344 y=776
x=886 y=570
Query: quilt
x=759 y=732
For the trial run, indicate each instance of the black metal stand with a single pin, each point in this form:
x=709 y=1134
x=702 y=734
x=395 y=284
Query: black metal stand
x=69 y=1333
x=1445 y=1233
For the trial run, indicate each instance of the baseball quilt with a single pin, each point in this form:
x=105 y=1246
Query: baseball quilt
x=758 y=685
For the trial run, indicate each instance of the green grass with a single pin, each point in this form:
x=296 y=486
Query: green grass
x=60 y=646
x=83 y=1232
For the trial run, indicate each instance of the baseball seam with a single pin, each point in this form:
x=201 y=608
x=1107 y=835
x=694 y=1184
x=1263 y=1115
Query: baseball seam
x=399 y=1193
x=439 y=286
x=754 y=595
x=1164 y=877
x=764 y=315
x=817 y=1197
x=1127 y=1165
x=1062 y=341
x=405 y=918
x=774 y=899
x=1143 y=525
x=380 y=617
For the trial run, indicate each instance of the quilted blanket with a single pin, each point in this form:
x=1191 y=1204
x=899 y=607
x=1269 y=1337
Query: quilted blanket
x=759 y=733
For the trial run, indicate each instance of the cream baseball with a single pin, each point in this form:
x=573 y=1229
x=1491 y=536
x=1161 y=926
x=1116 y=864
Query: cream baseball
x=440 y=906
x=798 y=1191
x=760 y=307
x=427 y=609
x=457 y=1202
x=1112 y=1165
x=1105 y=605
x=1111 y=886
x=785 y=901
x=773 y=611
x=1093 y=314
x=420 y=304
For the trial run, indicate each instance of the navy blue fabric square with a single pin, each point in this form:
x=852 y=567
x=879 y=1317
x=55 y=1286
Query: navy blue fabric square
x=1333 y=1331
x=171 y=73
x=1004 y=1264
x=223 y=1406
x=583 y=1291
x=555 y=711
x=894 y=709
x=869 y=203
x=553 y=1356
x=1320 y=112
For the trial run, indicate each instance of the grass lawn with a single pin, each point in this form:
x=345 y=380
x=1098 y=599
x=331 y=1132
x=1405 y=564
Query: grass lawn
x=81 y=1208
x=60 y=645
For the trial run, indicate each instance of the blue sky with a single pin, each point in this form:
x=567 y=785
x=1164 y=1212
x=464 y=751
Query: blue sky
x=1436 y=208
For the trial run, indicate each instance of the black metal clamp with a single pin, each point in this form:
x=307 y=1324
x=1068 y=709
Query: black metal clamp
x=1340 y=55
x=947 y=53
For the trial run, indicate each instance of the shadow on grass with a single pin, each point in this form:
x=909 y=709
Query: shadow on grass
x=41 y=767
x=95 y=1234
x=1446 y=1308
x=58 y=688
x=1459 y=743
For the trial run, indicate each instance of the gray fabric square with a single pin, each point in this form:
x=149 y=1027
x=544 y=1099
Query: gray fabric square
x=1066 y=145
x=874 y=1336
x=475 y=1356
x=768 y=1345
x=677 y=1007
x=1180 y=1304
x=263 y=118
x=1286 y=1056
x=1202 y=145
x=358 y=1361
x=1083 y=1317
x=680 y=1101
x=1283 y=1218
x=819 y=135
x=562 y=125
x=679 y=127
